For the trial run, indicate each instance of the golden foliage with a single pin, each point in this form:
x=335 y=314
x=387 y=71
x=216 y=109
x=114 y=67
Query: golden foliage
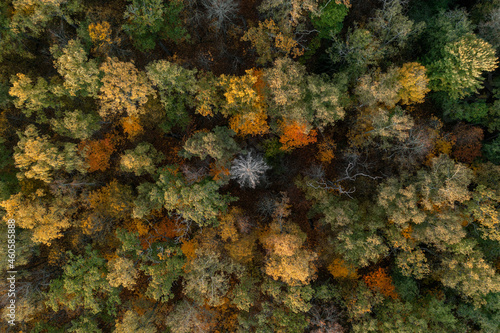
x=100 y=33
x=414 y=83
x=132 y=127
x=341 y=270
x=326 y=151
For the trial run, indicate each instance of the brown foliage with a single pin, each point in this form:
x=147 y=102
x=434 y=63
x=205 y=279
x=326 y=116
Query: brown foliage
x=468 y=143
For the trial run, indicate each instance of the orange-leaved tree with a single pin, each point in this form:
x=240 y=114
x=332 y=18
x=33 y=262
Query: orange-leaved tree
x=97 y=153
x=295 y=134
x=380 y=281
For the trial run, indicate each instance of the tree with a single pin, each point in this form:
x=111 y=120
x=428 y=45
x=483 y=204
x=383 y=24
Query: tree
x=38 y=158
x=149 y=20
x=81 y=75
x=188 y=317
x=76 y=125
x=287 y=260
x=208 y=277
x=32 y=17
x=381 y=282
x=248 y=170
x=413 y=80
x=46 y=218
x=199 y=202
x=220 y=13
x=83 y=285
x=272 y=40
x=328 y=19
x=218 y=144
x=176 y=87
x=458 y=70
x=133 y=322
x=121 y=273
x=379 y=88
x=124 y=89
x=141 y=160
x=32 y=98
x=295 y=134
x=163 y=263
x=97 y=153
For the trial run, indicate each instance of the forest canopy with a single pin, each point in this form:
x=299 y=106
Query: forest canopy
x=266 y=166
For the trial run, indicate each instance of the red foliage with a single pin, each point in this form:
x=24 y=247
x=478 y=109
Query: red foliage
x=380 y=281
x=468 y=143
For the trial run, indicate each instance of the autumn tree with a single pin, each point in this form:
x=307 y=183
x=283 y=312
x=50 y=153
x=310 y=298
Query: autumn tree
x=208 y=277
x=38 y=158
x=295 y=134
x=124 y=89
x=32 y=98
x=141 y=160
x=81 y=75
x=76 y=125
x=380 y=281
x=458 y=70
x=413 y=80
x=33 y=17
x=83 y=286
x=98 y=152
x=132 y=322
x=218 y=144
x=272 y=40
x=199 y=202
x=46 y=217
x=287 y=260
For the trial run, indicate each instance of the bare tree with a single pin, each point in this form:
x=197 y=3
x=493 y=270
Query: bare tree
x=248 y=170
x=220 y=13
x=355 y=168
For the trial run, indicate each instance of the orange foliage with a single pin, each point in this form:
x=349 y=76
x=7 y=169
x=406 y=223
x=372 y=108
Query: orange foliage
x=131 y=126
x=340 y=269
x=380 y=281
x=295 y=134
x=326 y=151
x=443 y=145
x=189 y=250
x=97 y=153
x=227 y=317
x=407 y=232
x=218 y=171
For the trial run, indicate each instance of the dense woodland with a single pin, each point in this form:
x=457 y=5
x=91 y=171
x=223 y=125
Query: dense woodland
x=251 y=166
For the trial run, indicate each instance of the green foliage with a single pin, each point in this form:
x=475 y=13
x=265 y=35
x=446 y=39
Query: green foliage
x=199 y=202
x=141 y=160
x=81 y=75
x=31 y=98
x=164 y=266
x=150 y=20
x=218 y=144
x=458 y=69
x=176 y=86
x=76 y=125
x=329 y=18
x=492 y=151
x=83 y=285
